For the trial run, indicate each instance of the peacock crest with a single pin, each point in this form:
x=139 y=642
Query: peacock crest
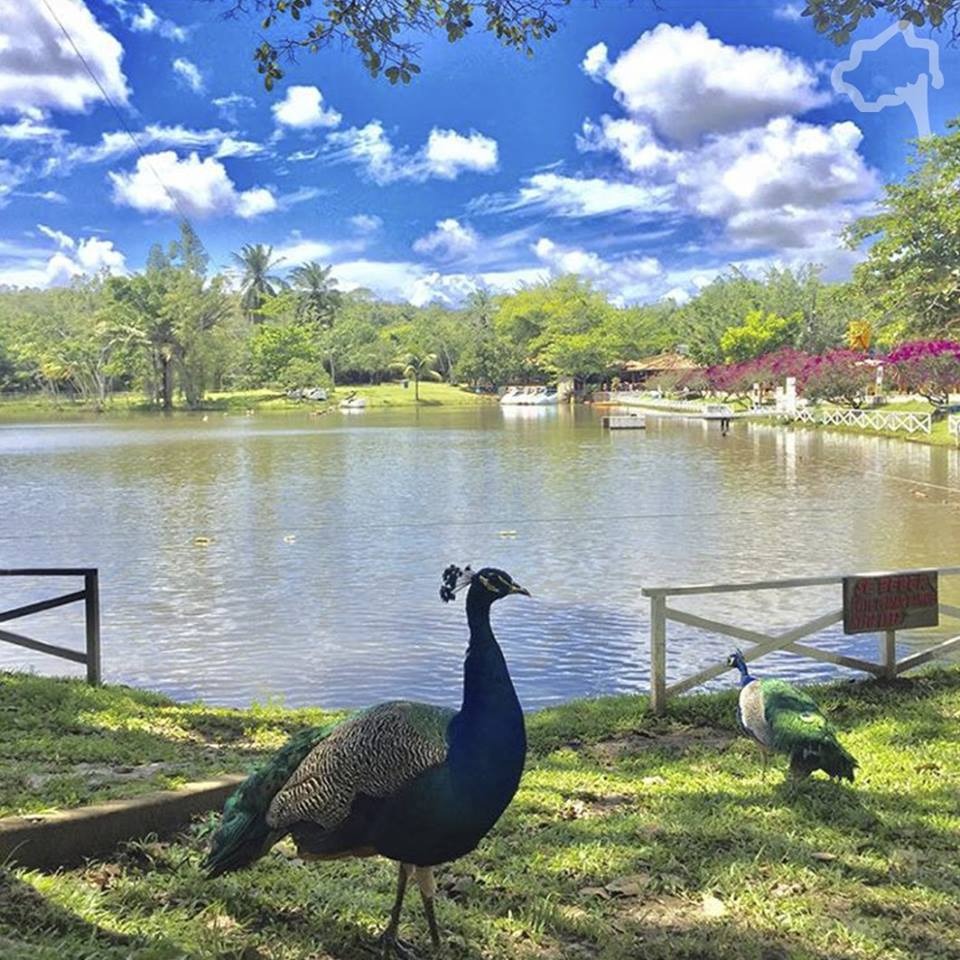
x=454 y=579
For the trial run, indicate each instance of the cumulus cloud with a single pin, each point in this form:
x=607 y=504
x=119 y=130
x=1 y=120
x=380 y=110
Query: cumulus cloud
x=40 y=71
x=448 y=153
x=688 y=84
x=445 y=155
x=449 y=241
x=302 y=109
x=202 y=188
x=626 y=279
x=146 y=21
x=189 y=73
x=39 y=267
x=596 y=62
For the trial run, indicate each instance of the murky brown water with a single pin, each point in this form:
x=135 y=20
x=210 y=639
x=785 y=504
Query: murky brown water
x=329 y=536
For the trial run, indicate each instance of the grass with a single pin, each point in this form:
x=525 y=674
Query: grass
x=242 y=401
x=629 y=838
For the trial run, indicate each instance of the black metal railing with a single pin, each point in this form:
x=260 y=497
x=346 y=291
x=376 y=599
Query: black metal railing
x=89 y=595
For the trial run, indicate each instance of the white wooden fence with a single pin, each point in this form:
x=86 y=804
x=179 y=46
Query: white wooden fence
x=953 y=425
x=763 y=643
x=868 y=419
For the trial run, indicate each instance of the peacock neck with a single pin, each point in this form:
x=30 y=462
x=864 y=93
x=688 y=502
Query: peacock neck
x=487 y=687
x=745 y=677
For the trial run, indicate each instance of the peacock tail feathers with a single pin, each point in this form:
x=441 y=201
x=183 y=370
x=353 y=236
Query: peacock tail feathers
x=798 y=728
x=244 y=835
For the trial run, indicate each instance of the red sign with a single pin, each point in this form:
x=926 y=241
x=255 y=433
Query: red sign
x=894 y=601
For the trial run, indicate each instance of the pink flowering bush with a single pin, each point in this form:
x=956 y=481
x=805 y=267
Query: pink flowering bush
x=930 y=368
x=838 y=376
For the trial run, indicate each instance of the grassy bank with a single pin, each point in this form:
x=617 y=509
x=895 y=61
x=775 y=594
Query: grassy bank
x=243 y=401
x=629 y=838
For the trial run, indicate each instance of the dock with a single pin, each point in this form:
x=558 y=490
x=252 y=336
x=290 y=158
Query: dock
x=627 y=421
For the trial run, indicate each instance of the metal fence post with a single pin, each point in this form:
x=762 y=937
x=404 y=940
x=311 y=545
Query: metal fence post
x=91 y=582
x=658 y=654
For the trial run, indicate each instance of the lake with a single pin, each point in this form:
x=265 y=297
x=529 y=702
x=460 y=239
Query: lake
x=322 y=539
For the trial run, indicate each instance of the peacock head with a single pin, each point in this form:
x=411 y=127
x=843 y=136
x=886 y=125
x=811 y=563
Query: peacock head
x=737 y=659
x=499 y=583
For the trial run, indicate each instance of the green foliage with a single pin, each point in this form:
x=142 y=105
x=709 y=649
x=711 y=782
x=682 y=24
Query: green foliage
x=911 y=276
x=840 y=18
x=286 y=355
x=760 y=333
x=257 y=283
x=381 y=33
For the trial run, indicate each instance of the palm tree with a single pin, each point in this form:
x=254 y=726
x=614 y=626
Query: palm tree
x=417 y=366
x=317 y=300
x=257 y=284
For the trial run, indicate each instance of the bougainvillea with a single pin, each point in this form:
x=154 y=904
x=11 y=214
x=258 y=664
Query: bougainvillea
x=930 y=368
x=839 y=376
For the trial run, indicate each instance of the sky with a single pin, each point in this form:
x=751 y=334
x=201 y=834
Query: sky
x=645 y=147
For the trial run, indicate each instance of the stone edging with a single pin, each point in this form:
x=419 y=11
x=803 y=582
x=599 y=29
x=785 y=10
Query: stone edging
x=64 y=838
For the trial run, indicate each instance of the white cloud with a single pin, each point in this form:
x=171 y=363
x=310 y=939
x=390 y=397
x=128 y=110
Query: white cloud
x=231 y=104
x=627 y=279
x=27 y=129
x=581 y=197
x=302 y=108
x=448 y=153
x=189 y=73
x=38 y=267
x=39 y=69
x=633 y=140
x=118 y=143
x=688 y=84
x=449 y=241
x=789 y=11
x=366 y=222
x=596 y=62
x=445 y=155
x=301 y=250
x=146 y=21
x=202 y=188
x=51 y=196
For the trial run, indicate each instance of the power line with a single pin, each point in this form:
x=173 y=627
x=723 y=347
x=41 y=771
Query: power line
x=123 y=123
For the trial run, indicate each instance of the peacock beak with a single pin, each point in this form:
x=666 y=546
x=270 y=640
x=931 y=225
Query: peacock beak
x=516 y=588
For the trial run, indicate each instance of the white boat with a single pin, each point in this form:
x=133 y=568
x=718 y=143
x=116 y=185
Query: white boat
x=353 y=402
x=530 y=397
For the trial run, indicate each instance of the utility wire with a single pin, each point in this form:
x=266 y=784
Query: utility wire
x=106 y=96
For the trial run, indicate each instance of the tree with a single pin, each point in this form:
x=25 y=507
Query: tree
x=317 y=298
x=928 y=367
x=760 y=333
x=257 y=283
x=840 y=376
x=912 y=271
x=417 y=366
x=285 y=355
x=839 y=18
x=382 y=31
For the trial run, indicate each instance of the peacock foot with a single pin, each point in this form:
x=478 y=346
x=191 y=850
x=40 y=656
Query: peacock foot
x=388 y=945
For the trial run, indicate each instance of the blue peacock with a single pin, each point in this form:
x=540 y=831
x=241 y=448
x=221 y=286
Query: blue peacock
x=419 y=784
x=783 y=719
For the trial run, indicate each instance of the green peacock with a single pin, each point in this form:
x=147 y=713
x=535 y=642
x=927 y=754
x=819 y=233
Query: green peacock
x=783 y=719
x=418 y=784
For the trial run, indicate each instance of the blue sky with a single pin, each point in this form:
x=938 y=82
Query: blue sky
x=644 y=148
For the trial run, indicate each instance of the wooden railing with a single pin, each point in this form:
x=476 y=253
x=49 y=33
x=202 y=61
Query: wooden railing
x=89 y=595
x=894 y=421
x=764 y=643
x=953 y=425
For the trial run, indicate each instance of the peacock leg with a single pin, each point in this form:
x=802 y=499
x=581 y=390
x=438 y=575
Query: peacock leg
x=389 y=942
x=428 y=890
x=765 y=757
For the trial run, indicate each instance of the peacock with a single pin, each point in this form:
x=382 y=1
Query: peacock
x=418 y=784
x=783 y=719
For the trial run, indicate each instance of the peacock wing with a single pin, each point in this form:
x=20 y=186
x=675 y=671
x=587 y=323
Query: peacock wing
x=793 y=718
x=373 y=754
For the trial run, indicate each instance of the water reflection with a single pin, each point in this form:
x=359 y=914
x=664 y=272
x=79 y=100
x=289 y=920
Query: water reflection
x=327 y=537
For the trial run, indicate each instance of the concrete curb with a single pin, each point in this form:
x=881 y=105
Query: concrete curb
x=65 y=838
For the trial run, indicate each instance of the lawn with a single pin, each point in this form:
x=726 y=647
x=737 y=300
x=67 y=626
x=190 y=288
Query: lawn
x=630 y=837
